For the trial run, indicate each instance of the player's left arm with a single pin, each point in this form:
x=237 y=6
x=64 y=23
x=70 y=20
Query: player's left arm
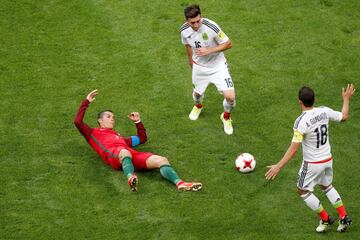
x=219 y=48
x=290 y=153
x=141 y=136
x=222 y=40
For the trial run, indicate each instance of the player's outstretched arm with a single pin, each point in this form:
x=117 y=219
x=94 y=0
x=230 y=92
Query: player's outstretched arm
x=275 y=169
x=346 y=94
x=84 y=129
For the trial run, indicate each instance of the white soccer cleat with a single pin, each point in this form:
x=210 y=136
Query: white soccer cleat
x=324 y=225
x=195 y=112
x=228 y=128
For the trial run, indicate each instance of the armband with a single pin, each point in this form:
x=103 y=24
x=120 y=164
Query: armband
x=298 y=137
x=221 y=35
x=135 y=140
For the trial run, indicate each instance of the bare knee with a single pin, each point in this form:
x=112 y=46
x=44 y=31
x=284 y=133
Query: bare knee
x=230 y=99
x=156 y=161
x=162 y=161
x=124 y=153
x=229 y=95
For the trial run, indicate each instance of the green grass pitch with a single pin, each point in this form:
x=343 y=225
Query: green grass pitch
x=52 y=53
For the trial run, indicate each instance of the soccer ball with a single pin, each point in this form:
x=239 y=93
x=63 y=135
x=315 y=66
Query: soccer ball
x=245 y=163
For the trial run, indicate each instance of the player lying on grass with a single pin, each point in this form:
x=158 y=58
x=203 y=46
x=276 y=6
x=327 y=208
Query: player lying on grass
x=311 y=130
x=117 y=151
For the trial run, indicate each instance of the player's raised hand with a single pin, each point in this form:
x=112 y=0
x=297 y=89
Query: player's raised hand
x=134 y=116
x=272 y=172
x=349 y=91
x=91 y=96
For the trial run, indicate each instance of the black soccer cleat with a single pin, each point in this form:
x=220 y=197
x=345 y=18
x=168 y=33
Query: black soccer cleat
x=344 y=223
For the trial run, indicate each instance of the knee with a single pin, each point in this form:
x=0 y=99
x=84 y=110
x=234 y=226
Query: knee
x=162 y=161
x=159 y=161
x=124 y=153
x=156 y=161
x=230 y=96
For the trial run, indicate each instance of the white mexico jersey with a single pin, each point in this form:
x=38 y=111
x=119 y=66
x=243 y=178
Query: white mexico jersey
x=208 y=35
x=311 y=128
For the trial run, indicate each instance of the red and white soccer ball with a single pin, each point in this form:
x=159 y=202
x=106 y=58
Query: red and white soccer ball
x=245 y=163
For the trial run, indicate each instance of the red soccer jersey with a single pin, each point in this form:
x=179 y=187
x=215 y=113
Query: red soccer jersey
x=104 y=141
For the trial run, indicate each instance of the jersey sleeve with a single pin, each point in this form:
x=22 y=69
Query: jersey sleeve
x=334 y=115
x=182 y=34
x=220 y=36
x=183 y=39
x=83 y=128
x=298 y=136
x=215 y=31
x=299 y=130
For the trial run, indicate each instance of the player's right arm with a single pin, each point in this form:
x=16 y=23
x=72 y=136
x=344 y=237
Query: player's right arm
x=189 y=53
x=346 y=94
x=290 y=153
x=275 y=169
x=84 y=129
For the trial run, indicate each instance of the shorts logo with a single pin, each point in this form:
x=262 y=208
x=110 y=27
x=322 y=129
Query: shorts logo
x=205 y=36
x=221 y=35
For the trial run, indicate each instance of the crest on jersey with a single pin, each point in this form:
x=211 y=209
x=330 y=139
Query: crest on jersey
x=205 y=36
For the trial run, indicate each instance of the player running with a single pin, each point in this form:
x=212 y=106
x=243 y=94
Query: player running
x=204 y=43
x=118 y=152
x=311 y=129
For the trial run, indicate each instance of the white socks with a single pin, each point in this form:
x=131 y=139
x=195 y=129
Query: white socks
x=228 y=106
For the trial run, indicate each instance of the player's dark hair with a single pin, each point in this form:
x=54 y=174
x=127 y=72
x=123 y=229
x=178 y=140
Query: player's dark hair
x=307 y=96
x=101 y=114
x=192 y=11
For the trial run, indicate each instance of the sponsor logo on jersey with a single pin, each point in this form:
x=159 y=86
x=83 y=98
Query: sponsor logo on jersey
x=205 y=36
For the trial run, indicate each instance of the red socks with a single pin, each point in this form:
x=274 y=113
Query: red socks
x=324 y=215
x=341 y=211
x=199 y=105
x=226 y=115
